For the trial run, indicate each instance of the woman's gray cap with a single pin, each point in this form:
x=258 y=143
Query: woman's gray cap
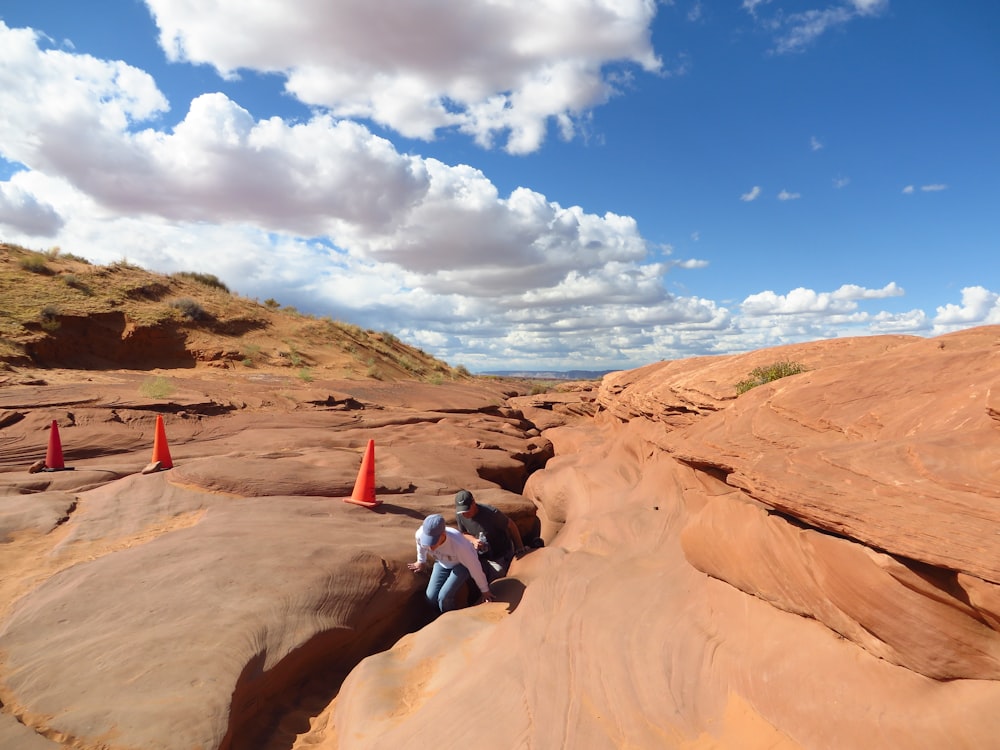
x=432 y=529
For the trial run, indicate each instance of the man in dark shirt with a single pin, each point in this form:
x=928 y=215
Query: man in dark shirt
x=495 y=537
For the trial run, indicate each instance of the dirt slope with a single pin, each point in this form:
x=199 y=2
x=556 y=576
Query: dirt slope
x=57 y=310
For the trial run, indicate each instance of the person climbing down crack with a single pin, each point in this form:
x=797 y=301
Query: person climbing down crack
x=496 y=538
x=455 y=561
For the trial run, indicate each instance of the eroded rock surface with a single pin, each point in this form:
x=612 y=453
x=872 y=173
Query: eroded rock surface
x=811 y=564
x=176 y=609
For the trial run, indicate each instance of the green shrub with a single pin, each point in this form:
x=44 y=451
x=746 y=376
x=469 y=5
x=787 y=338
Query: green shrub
x=272 y=303
x=35 y=263
x=207 y=279
x=158 y=387
x=762 y=375
x=190 y=309
x=49 y=316
x=75 y=282
x=305 y=375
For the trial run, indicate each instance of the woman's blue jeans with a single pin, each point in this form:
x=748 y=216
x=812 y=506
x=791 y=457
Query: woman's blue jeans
x=444 y=586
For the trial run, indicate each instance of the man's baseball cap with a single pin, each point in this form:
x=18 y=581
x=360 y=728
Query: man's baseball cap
x=463 y=500
x=432 y=529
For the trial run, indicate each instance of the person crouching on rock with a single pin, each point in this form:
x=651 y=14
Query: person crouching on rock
x=455 y=560
x=495 y=537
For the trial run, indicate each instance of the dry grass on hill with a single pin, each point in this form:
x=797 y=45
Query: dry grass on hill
x=60 y=311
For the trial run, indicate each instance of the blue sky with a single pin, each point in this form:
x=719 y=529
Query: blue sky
x=533 y=184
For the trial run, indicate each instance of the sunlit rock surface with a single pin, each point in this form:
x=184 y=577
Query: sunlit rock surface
x=811 y=564
x=182 y=608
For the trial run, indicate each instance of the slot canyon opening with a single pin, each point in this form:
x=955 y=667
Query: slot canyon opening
x=269 y=711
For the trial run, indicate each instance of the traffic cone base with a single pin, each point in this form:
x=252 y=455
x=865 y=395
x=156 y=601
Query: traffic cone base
x=161 y=451
x=364 y=486
x=364 y=503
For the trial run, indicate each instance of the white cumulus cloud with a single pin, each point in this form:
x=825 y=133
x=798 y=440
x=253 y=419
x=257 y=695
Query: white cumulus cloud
x=979 y=306
x=489 y=69
x=807 y=301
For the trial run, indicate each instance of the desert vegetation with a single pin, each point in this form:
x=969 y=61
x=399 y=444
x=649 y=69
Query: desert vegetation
x=207 y=279
x=156 y=387
x=767 y=374
x=189 y=308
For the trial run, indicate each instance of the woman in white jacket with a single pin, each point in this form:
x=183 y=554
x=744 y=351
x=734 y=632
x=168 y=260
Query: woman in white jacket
x=455 y=560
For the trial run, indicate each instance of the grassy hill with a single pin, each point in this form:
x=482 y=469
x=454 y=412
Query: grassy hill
x=60 y=311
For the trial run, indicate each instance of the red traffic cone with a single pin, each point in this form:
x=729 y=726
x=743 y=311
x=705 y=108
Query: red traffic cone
x=161 y=451
x=364 y=487
x=54 y=454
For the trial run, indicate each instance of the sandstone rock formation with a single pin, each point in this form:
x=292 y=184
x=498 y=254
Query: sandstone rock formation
x=811 y=564
x=175 y=609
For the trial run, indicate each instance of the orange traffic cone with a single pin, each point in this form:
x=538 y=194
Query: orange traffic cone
x=161 y=452
x=364 y=487
x=54 y=454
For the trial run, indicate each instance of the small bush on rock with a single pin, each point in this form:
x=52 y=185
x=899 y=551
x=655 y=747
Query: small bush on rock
x=762 y=375
x=158 y=387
